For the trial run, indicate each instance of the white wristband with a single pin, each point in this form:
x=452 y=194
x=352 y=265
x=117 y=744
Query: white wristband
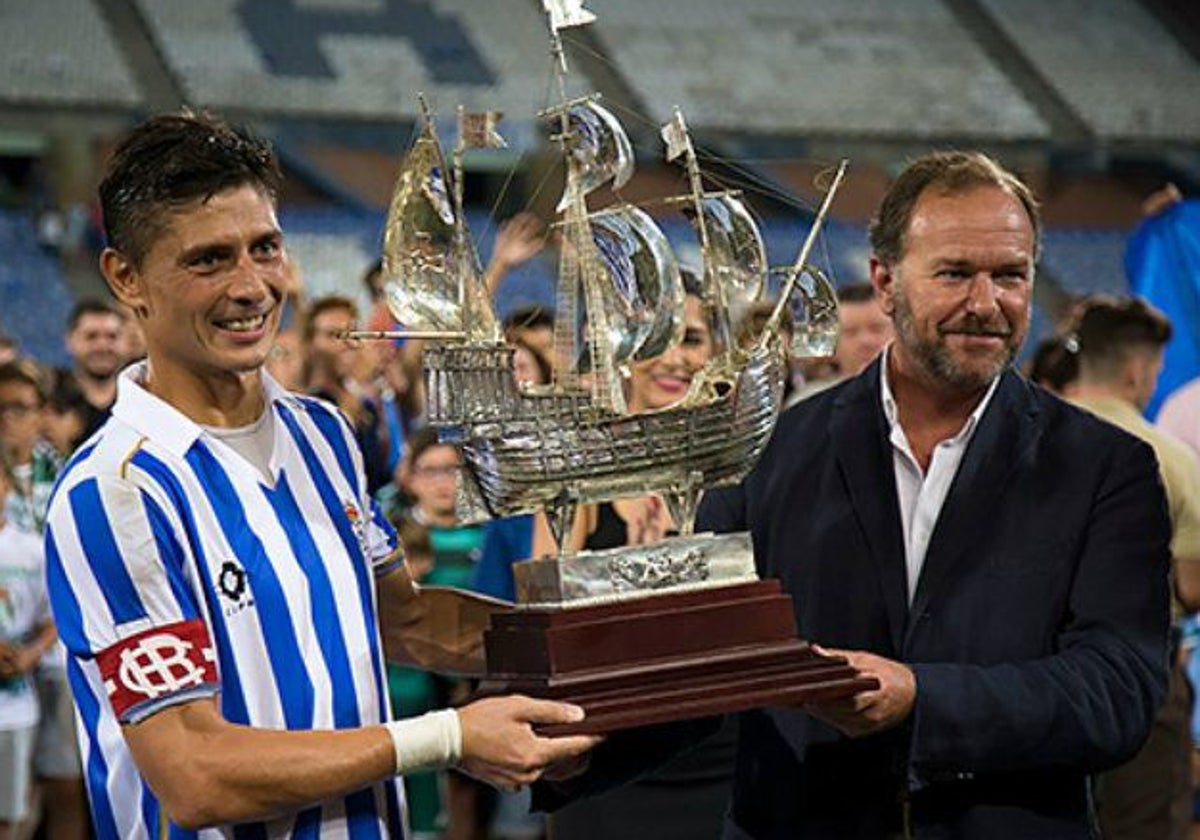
x=429 y=742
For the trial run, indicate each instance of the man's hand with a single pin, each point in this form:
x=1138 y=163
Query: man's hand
x=500 y=747
x=872 y=711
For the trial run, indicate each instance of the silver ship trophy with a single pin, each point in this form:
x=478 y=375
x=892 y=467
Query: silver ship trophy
x=643 y=634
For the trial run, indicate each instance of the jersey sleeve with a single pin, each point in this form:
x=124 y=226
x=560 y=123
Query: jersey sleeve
x=383 y=545
x=115 y=565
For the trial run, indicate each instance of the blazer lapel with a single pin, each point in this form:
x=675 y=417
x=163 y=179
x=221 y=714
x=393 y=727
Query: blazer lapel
x=864 y=456
x=1006 y=431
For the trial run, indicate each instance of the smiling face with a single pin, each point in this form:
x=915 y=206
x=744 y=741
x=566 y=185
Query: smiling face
x=209 y=288
x=664 y=380
x=95 y=344
x=960 y=295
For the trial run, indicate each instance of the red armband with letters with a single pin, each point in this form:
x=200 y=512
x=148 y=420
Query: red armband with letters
x=158 y=663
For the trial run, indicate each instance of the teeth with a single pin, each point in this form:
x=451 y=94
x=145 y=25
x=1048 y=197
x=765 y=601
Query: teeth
x=244 y=324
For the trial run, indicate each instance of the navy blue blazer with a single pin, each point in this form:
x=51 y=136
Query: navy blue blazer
x=1038 y=630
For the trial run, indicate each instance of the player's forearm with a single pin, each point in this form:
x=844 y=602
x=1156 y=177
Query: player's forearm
x=223 y=773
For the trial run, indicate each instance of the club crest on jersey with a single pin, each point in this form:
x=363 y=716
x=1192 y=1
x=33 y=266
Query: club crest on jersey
x=358 y=524
x=234 y=588
x=157 y=663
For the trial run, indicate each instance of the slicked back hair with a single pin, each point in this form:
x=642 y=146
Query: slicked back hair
x=948 y=173
x=171 y=161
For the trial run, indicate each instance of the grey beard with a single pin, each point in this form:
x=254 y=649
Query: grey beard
x=937 y=360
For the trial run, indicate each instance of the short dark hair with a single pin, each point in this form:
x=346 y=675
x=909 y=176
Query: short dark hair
x=421 y=441
x=26 y=373
x=1055 y=362
x=856 y=293
x=947 y=172
x=321 y=305
x=529 y=318
x=1109 y=328
x=170 y=161
x=91 y=306
x=65 y=394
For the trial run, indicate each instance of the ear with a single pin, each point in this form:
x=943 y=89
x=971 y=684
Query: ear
x=884 y=282
x=124 y=280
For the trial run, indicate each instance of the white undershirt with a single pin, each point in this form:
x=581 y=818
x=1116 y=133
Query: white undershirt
x=921 y=496
x=255 y=442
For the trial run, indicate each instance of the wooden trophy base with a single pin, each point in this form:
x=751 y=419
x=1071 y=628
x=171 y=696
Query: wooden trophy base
x=663 y=658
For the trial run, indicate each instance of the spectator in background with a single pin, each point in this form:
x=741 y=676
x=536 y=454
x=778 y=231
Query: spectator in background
x=25 y=635
x=94 y=342
x=9 y=350
x=31 y=463
x=65 y=414
x=864 y=329
x=336 y=371
x=131 y=345
x=533 y=326
x=1120 y=346
x=430 y=476
x=31 y=466
x=1055 y=362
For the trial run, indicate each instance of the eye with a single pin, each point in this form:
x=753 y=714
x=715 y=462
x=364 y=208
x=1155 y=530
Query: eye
x=268 y=249
x=1010 y=276
x=952 y=274
x=205 y=262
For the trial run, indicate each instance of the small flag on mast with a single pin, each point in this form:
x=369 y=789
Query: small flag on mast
x=567 y=13
x=477 y=130
x=675 y=135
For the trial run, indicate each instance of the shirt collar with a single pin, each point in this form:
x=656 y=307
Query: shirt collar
x=892 y=413
x=160 y=422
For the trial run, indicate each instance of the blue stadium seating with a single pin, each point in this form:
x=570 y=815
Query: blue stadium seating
x=34 y=298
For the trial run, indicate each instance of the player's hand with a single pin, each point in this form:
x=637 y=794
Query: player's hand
x=500 y=747
x=871 y=711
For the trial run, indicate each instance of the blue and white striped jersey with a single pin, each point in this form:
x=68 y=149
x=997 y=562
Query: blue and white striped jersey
x=175 y=572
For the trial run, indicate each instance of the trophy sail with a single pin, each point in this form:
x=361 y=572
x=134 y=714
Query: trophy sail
x=431 y=274
x=644 y=274
x=736 y=256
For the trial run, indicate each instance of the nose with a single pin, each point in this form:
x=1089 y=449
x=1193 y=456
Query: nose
x=981 y=297
x=247 y=283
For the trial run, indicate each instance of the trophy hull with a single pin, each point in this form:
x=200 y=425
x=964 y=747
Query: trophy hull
x=524 y=450
x=673 y=656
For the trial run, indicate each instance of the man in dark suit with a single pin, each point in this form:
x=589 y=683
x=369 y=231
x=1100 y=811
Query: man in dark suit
x=997 y=559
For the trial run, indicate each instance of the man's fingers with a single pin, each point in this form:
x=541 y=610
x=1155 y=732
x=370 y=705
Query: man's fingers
x=549 y=711
x=568 y=746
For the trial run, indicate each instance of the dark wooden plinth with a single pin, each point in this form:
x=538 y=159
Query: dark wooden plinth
x=664 y=658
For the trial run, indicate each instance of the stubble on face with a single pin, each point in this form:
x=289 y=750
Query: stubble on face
x=936 y=357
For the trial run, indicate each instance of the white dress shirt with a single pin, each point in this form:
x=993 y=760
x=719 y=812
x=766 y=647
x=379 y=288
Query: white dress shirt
x=921 y=495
